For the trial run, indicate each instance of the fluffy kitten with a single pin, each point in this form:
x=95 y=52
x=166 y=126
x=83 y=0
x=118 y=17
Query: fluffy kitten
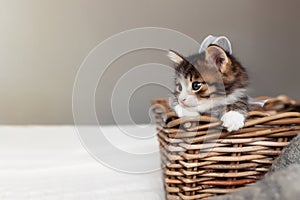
x=211 y=82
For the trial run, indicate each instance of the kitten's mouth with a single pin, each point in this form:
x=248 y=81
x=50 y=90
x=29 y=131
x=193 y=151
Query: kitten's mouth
x=185 y=105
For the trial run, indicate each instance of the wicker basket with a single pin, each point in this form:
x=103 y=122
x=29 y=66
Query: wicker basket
x=200 y=160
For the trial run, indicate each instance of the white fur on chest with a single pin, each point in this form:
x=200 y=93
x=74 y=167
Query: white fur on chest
x=181 y=112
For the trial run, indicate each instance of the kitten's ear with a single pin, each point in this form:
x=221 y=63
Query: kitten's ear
x=175 y=57
x=217 y=56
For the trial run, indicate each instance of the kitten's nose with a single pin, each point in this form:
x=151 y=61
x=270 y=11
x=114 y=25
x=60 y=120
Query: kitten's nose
x=182 y=100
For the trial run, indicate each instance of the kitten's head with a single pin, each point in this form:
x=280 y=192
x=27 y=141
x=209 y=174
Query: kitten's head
x=213 y=74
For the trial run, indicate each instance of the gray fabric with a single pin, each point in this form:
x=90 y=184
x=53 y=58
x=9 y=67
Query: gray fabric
x=281 y=183
x=289 y=155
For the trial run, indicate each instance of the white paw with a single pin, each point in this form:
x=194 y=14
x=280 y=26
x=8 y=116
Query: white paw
x=181 y=112
x=233 y=120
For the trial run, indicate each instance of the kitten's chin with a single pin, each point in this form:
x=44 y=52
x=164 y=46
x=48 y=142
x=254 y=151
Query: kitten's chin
x=190 y=107
x=187 y=106
x=202 y=106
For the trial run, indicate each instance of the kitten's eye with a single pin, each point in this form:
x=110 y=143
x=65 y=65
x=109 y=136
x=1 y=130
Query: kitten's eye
x=196 y=85
x=179 y=87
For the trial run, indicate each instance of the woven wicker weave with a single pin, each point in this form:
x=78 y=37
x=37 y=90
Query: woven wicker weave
x=200 y=160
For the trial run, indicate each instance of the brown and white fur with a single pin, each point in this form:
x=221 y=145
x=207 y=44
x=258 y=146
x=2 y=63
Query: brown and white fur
x=211 y=82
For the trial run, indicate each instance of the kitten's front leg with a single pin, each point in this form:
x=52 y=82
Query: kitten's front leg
x=181 y=112
x=235 y=116
x=233 y=120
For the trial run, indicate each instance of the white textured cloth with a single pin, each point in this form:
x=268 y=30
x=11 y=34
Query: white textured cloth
x=49 y=162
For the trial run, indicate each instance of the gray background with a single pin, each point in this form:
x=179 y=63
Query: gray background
x=43 y=43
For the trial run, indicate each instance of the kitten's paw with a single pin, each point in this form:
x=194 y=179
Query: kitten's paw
x=181 y=112
x=233 y=120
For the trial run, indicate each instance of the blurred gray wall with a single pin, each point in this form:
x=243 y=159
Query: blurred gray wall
x=44 y=42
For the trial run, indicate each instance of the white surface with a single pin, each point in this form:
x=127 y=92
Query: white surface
x=49 y=162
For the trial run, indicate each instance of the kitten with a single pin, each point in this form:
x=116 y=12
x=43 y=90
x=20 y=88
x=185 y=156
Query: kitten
x=212 y=82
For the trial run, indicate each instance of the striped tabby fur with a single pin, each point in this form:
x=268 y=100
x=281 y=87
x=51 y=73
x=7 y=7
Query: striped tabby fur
x=211 y=82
